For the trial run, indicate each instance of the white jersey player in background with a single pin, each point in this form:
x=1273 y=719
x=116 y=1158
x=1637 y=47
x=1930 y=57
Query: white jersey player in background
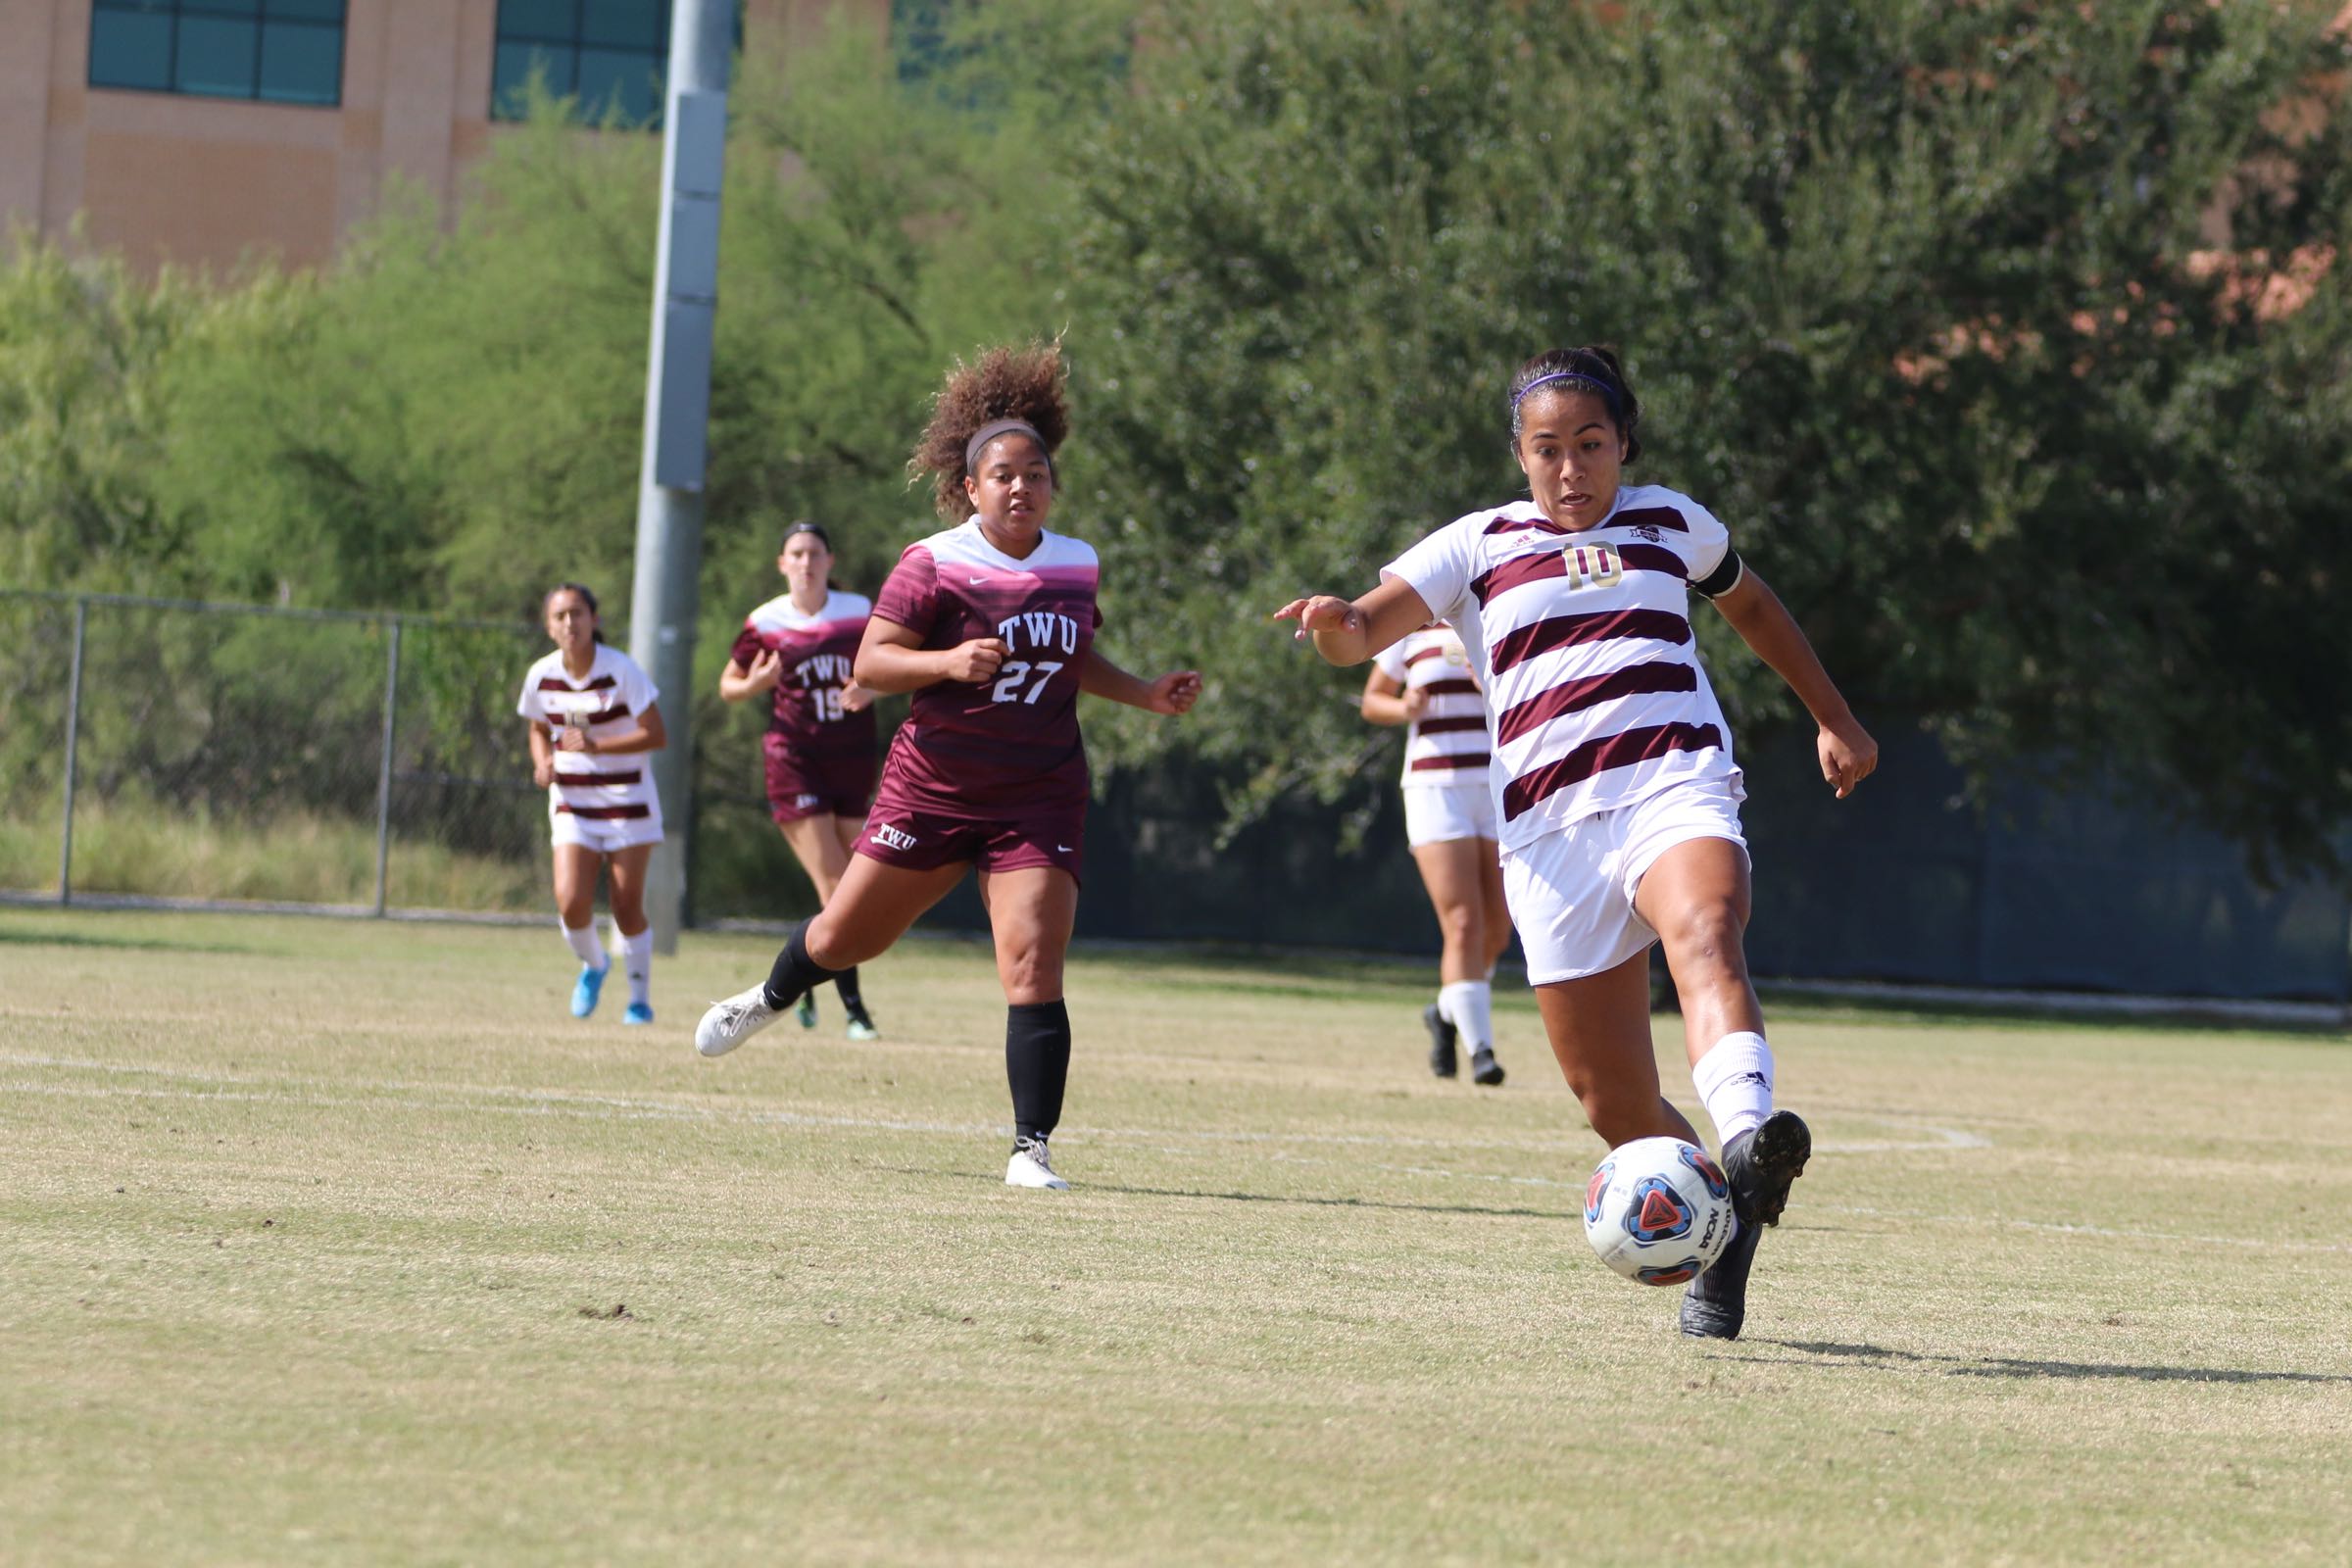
x=1424 y=682
x=1617 y=797
x=593 y=717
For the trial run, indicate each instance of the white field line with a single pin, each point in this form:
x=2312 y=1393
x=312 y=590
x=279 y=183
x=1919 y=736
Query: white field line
x=623 y=1108
x=323 y=1091
x=604 y=1107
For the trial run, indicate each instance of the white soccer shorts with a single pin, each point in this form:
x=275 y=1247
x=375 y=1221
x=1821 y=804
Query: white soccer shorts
x=1571 y=892
x=1435 y=814
x=603 y=836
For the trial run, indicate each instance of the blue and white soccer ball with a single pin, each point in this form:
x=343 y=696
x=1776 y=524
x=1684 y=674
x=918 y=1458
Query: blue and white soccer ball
x=1659 y=1211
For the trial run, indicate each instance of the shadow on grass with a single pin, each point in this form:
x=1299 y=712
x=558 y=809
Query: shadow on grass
x=83 y=939
x=1264 y=1197
x=2001 y=1366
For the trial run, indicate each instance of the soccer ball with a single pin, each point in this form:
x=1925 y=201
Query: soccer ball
x=1659 y=1211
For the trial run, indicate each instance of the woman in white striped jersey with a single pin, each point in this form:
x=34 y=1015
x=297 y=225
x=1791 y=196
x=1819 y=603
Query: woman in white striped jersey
x=1618 y=798
x=1424 y=682
x=593 y=717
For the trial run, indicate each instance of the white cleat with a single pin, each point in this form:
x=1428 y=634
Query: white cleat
x=731 y=1022
x=1032 y=1166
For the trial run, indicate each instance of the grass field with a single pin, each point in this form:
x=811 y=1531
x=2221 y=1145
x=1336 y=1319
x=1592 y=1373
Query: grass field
x=331 y=1241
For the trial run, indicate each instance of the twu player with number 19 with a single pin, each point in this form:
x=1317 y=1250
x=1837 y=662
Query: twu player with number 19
x=991 y=626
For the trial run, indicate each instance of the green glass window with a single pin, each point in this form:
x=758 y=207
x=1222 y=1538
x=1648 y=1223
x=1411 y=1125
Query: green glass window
x=278 y=50
x=608 y=54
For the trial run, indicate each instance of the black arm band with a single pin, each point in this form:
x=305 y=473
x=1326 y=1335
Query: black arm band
x=1723 y=579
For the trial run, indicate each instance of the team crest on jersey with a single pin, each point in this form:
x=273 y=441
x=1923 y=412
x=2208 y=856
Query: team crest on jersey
x=1647 y=532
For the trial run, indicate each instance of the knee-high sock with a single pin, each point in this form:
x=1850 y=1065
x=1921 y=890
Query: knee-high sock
x=795 y=971
x=637 y=960
x=845 y=985
x=1733 y=1080
x=583 y=943
x=1470 y=1005
x=1037 y=1063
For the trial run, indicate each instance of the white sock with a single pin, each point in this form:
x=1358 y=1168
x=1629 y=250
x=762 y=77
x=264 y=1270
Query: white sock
x=583 y=942
x=1733 y=1080
x=1470 y=1006
x=637 y=957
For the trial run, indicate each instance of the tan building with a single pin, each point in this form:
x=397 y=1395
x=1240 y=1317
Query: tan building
x=197 y=131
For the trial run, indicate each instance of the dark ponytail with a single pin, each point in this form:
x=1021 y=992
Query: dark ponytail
x=1594 y=369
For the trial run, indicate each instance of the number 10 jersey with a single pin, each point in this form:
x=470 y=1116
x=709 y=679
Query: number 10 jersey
x=1008 y=743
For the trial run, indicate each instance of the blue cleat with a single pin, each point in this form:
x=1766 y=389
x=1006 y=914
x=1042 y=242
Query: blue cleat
x=638 y=1013
x=806 y=1010
x=586 y=988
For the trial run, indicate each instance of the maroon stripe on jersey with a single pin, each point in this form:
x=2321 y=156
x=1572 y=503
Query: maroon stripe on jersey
x=1520 y=570
x=1514 y=524
x=1517 y=647
x=556 y=683
x=1574 y=696
x=1602 y=755
x=588 y=780
x=606 y=813
x=1426 y=653
x=1428 y=765
x=1448 y=726
x=1653 y=558
x=1517 y=573
x=1451 y=688
x=1649 y=517
x=608 y=716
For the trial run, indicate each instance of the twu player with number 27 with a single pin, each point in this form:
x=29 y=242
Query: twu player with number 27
x=991 y=625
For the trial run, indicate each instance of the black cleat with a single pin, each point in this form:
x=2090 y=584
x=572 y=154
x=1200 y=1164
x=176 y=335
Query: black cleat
x=1762 y=1163
x=1483 y=1068
x=1441 y=1060
x=1716 y=1303
x=1759 y=1164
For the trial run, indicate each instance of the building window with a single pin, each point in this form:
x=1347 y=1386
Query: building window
x=607 y=54
x=278 y=50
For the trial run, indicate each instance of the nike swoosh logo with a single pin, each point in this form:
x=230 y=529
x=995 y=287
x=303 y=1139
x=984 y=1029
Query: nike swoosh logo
x=1062 y=849
x=979 y=582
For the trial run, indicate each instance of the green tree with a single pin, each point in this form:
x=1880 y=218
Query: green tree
x=1954 y=313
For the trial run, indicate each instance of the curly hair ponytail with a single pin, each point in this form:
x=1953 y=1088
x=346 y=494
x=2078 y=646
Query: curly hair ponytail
x=1002 y=383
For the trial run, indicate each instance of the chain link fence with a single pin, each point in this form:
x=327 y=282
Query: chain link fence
x=372 y=764
x=159 y=749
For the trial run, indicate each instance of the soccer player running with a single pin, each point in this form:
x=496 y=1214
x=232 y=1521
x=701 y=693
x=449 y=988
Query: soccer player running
x=991 y=625
x=1614 y=780
x=593 y=715
x=819 y=745
x=1423 y=683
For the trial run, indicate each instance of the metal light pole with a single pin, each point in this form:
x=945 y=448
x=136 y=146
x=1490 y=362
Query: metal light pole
x=677 y=412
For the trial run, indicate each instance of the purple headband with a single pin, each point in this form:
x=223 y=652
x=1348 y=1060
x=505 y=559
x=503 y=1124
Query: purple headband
x=996 y=427
x=1577 y=378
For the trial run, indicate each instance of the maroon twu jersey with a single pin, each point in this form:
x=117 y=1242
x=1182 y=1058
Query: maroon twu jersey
x=1010 y=742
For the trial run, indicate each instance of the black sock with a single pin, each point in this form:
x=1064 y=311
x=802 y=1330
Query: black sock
x=1037 y=1063
x=795 y=971
x=845 y=984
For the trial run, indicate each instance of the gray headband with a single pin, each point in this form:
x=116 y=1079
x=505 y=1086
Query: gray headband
x=996 y=427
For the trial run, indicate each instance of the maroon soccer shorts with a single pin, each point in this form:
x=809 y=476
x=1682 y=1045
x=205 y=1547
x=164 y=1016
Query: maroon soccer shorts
x=923 y=841
x=805 y=786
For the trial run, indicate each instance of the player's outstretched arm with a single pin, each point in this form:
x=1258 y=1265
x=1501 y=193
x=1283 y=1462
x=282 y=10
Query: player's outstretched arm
x=1172 y=692
x=891 y=659
x=1351 y=631
x=1848 y=753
